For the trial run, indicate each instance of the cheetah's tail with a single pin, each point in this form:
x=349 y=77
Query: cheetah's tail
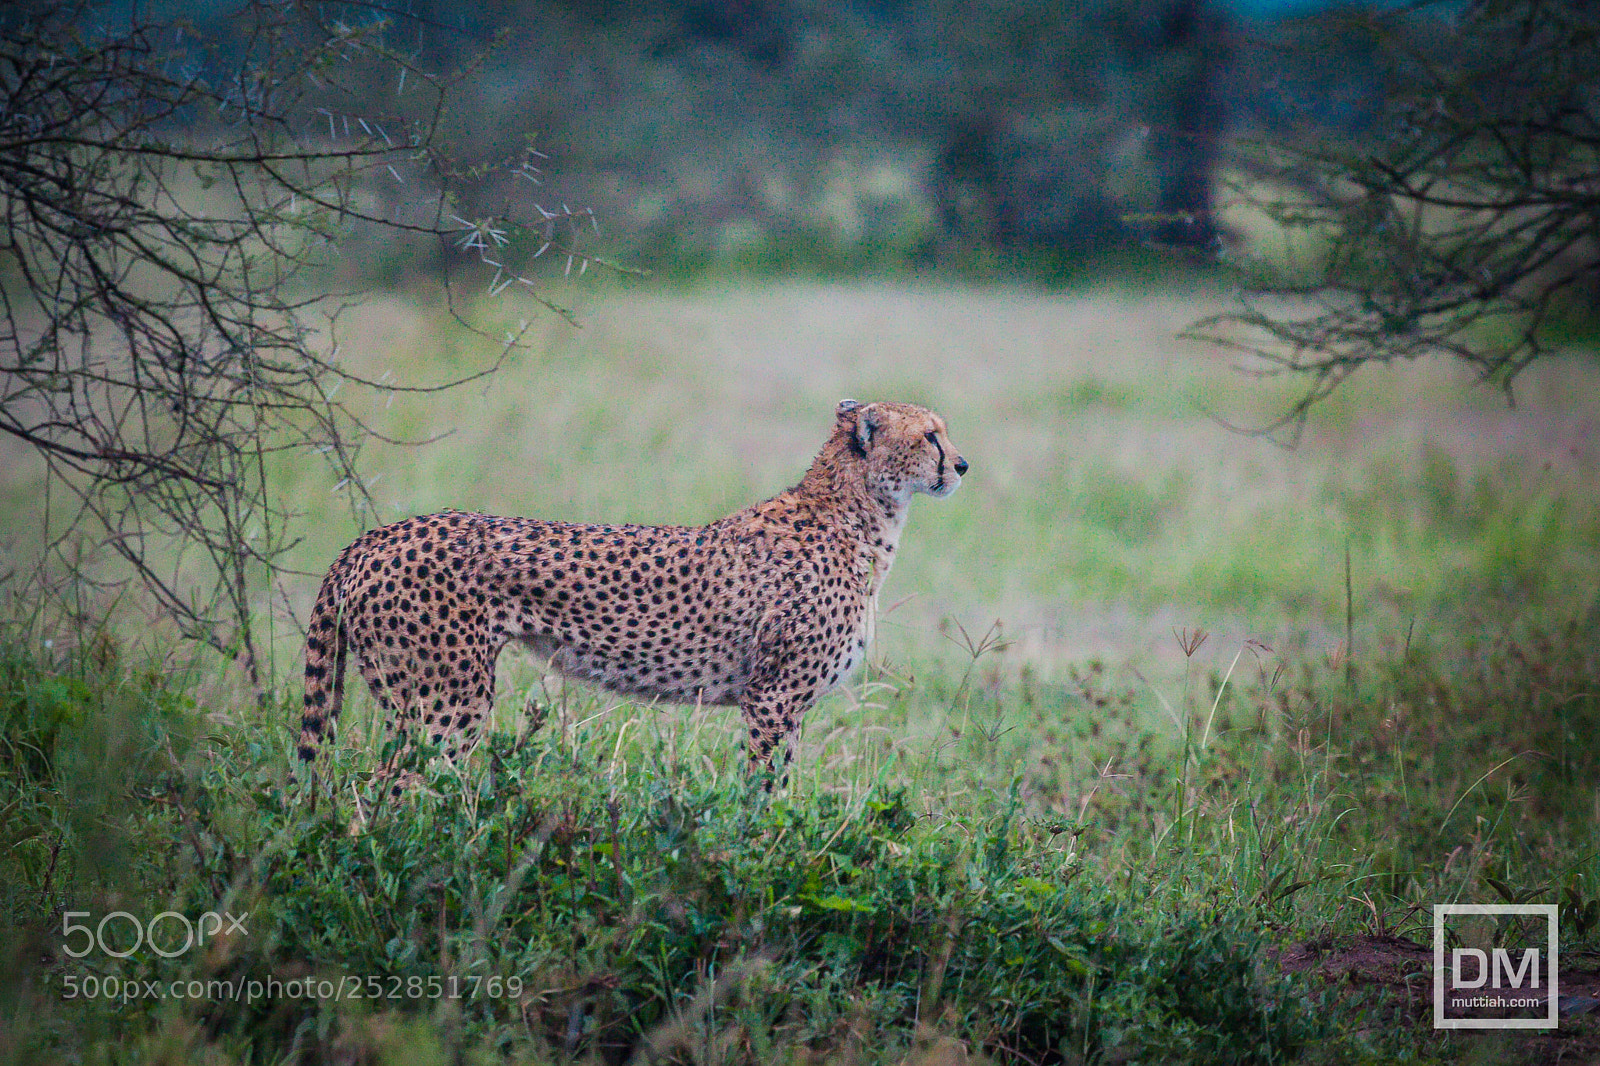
x=325 y=640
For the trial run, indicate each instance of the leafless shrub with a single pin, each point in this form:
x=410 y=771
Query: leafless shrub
x=1464 y=223
x=172 y=209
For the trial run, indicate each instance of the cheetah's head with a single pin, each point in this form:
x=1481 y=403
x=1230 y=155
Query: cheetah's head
x=906 y=448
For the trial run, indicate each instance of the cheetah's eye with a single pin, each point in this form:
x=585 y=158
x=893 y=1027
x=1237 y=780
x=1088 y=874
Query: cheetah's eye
x=931 y=437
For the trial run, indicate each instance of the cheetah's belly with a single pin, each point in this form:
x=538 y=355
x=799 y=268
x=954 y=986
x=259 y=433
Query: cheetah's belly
x=709 y=681
x=691 y=671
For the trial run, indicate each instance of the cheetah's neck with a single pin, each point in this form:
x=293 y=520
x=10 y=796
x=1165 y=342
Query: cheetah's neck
x=835 y=487
x=885 y=520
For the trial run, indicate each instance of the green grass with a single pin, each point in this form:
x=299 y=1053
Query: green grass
x=1095 y=871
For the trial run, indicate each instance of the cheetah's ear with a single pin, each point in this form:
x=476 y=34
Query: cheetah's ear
x=851 y=412
x=866 y=426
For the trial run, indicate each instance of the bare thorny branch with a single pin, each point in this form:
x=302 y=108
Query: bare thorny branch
x=170 y=211
x=1467 y=225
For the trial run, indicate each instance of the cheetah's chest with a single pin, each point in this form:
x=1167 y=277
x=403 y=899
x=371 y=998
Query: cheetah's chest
x=852 y=653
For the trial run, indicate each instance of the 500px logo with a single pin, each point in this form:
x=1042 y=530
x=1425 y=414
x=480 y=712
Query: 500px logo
x=111 y=935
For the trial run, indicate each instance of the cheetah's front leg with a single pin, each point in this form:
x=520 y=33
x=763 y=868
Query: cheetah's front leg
x=771 y=717
x=783 y=685
x=782 y=688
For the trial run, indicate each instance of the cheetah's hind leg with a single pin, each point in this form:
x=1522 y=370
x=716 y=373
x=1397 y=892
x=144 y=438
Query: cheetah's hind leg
x=403 y=754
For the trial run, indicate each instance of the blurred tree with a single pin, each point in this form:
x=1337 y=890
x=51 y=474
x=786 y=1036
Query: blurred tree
x=1048 y=102
x=1462 y=217
x=1185 y=136
x=901 y=127
x=170 y=208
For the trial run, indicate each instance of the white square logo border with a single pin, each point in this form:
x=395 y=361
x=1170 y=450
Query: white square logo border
x=1552 y=965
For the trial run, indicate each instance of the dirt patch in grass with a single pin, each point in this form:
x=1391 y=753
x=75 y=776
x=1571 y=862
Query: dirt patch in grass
x=1395 y=975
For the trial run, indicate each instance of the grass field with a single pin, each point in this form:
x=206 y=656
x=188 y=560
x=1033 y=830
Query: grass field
x=1165 y=726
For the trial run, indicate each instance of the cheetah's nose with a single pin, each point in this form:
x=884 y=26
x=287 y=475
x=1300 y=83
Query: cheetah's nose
x=961 y=466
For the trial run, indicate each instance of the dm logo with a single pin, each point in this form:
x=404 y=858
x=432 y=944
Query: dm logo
x=1500 y=988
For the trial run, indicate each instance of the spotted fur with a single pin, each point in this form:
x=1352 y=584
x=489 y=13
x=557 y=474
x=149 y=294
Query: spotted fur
x=767 y=608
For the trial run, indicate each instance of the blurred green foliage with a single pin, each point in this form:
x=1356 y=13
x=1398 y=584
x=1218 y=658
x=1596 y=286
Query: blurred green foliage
x=800 y=134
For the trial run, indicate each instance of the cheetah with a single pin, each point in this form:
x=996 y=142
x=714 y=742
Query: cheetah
x=766 y=609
